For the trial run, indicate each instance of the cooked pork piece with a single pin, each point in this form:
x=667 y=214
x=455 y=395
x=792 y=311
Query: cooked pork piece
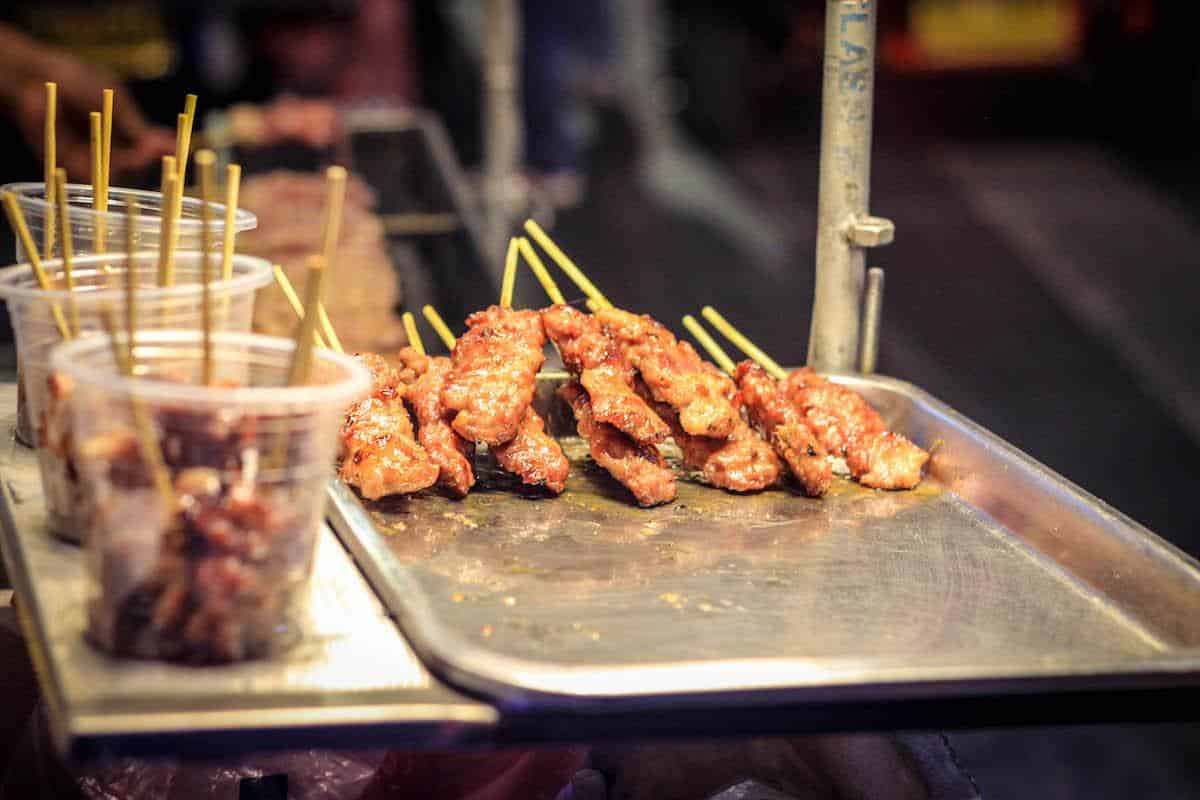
x=495 y=366
x=452 y=454
x=534 y=455
x=675 y=373
x=638 y=466
x=848 y=426
x=741 y=463
x=604 y=371
x=380 y=455
x=885 y=461
x=779 y=421
x=834 y=413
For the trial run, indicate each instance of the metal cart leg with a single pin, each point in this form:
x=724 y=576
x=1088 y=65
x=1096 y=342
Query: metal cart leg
x=844 y=226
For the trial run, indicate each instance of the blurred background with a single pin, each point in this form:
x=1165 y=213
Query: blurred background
x=1040 y=160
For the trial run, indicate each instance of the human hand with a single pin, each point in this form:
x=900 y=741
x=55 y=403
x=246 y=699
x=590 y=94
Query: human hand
x=28 y=65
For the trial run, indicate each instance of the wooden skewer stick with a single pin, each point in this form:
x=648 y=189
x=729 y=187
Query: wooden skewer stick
x=330 y=334
x=439 y=325
x=233 y=180
x=50 y=164
x=510 y=274
x=294 y=300
x=106 y=113
x=204 y=166
x=17 y=220
x=335 y=201
x=714 y=350
x=68 y=246
x=131 y=278
x=540 y=272
x=183 y=145
x=147 y=440
x=592 y=305
x=166 y=223
x=414 y=336
x=97 y=142
x=565 y=264
x=120 y=353
x=742 y=343
x=301 y=368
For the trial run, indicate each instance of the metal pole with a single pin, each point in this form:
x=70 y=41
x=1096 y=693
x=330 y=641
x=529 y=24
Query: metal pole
x=844 y=226
x=503 y=143
x=872 y=312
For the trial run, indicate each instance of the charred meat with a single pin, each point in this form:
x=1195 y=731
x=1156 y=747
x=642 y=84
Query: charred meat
x=848 y=426
x=780 y=422
x=380 y=454
x=495 y=365
x=452 y=454
x=604 y=372
x=675 y=373
x=637 y=466
x=533 y=455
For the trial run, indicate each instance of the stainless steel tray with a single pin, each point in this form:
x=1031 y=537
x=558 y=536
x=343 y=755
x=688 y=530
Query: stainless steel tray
x=353 y=679
x=995 y=581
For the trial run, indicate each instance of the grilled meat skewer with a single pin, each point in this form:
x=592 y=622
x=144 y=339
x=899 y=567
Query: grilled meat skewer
x=452 y=454
x=534 y=455
x=637 y=466
x=675 y=373
x=495 y=365
x=604 y=371
x=847 y=426
x=783 y=425
x=380 y=454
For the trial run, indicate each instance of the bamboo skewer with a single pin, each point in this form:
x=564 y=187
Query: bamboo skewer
x=17 y=220
x=414 y=336
x=335 y=201
x=714 y=350
x=106 y=115
x=97 y=143
x=68 y=247
x=742 y=343
x=566 y=264
x=294 y=300
x=50 y=166
x=147 y=440
x=540 y=272
x=439 y=325
x=131 y=278
x=301 y=367
x=510 y=274
x=330 y=334
x=233 y=180
x=166 y=229
x=204 y=166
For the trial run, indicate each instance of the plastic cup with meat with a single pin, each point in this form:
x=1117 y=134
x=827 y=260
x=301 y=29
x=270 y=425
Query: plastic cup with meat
x=98 y=281
x=202 y=555
x=94 y=231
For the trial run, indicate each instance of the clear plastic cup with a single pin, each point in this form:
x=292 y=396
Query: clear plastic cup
x=90 y=227
x=98 y=280
x=217 y=570
x=104 y=232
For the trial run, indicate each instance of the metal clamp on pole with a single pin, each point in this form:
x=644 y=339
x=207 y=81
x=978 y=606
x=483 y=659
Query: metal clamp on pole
x=844 y=225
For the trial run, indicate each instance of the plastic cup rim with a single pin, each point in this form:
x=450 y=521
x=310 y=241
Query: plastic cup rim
x=67 y=358
x=256 y=273
x=33 y=194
